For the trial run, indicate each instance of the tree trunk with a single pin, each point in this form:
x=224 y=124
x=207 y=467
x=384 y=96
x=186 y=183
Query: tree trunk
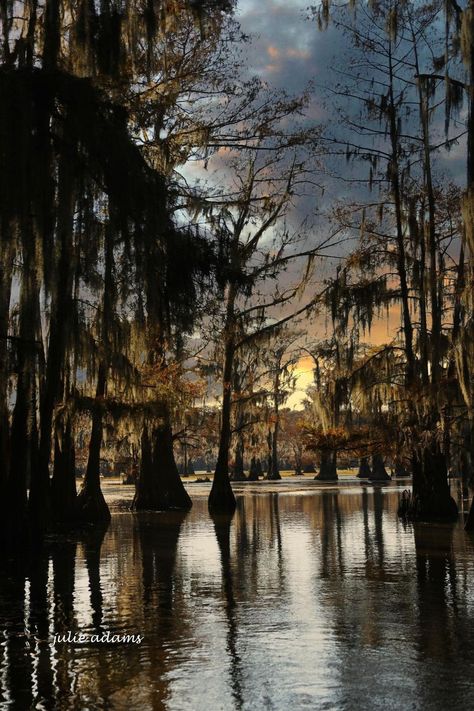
x=185 y=463
x=401 y=256
x=431 y=499
x=24 y=437
x=253 y=471
x=469 y=195
x=298 y=463
x=274 y=471
x=6 y=269
x=144 y=484
x=169 y=487
x=159 y=486
x=365 y=472
x=239 y=473
x=379 y=473
x=221 y=497
x=328 y=466
x=61 y=308
x=20 y=460
x=400 y=468
x=435 y=296
x=91 y=505
x=63 y=482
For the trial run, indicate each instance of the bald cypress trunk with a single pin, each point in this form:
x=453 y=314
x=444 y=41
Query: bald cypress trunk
x=144 y=485
x=365 y=471
x=239 y=473
x=379 y=473
x=23 y=467
x=91 y=505
x=63 y=482
x=159 y=486
x=400 y=468
x=7 y=253
x=221 y=497
x=60 y=321
x=170 y=489
x=431 y=499
x=327 y=467
x=254 y=470
x=469 y=195
x=274 y=471
x=397 y=197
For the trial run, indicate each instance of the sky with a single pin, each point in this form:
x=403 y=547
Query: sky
x=289 y=52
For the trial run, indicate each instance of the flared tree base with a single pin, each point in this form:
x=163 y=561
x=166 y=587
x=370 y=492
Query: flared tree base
x=327 y=468
x=431 y=509
x=238 y=475
x=221 y=497
x=431 y=499
x=254 y=471
x=400 y=470
x=326 y=476
x=173 y=498
x=159 y=486
x=379 y=473
x=365 y=472
x=92 y=507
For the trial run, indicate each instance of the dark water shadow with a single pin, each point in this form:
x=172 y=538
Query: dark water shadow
x=156 y=537
x=17 y=664
x=222 y=526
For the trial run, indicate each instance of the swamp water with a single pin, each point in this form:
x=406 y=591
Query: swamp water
x=313 y=598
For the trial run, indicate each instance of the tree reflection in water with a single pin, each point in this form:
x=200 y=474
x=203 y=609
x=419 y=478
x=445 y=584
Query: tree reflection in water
x=222 y=523
x=158 y=536
x=314 y=600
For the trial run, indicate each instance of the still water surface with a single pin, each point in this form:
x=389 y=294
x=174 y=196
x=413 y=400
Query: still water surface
x=312 y=600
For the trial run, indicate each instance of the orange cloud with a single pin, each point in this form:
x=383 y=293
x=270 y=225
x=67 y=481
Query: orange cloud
x=273 y=52
x=297 y=53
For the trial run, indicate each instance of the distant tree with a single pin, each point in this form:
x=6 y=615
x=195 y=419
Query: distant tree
x=254 y=247
x=405 y=232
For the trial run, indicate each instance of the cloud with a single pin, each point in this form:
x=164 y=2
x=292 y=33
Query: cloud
x=273 y=52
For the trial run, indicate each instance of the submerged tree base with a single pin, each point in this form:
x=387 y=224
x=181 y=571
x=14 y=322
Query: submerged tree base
x=378 y=473
x=431 y=499
x=176 y=499
x=238 y=475
x=412 y=508
x=159 y=486
x=274 y=476
x=327 y=468
x=365 y=472
x=92 y=507
x=221 y=497
x=400 y=469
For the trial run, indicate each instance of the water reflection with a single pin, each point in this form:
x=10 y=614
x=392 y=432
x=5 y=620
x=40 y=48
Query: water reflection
x=318 y=600
x=222 y=525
